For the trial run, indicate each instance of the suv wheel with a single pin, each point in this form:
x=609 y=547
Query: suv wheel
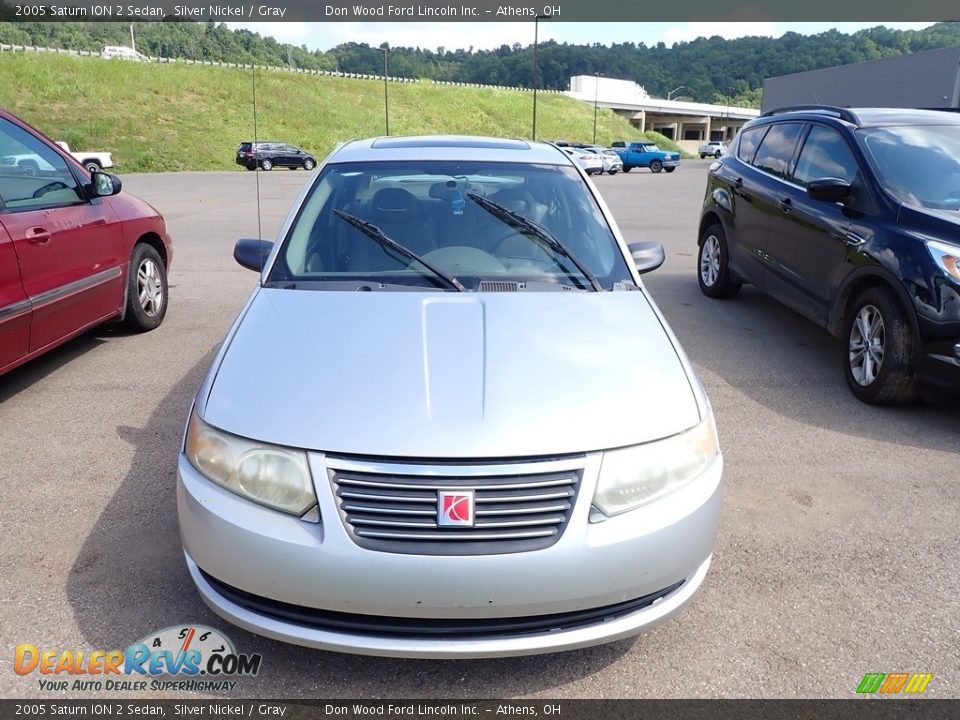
x=92 y=166
x=714 y=265
x=702 y=156
x=877 y=357
x=656 y=166
x=717 y=154
x=309 y=164
x=266 y=165
x=146 y=289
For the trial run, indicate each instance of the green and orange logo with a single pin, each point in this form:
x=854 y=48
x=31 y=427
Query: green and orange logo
x=894 y=683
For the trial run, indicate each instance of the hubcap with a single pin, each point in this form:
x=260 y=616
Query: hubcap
x=710 y=261
x=149 y=287
x=866 y=345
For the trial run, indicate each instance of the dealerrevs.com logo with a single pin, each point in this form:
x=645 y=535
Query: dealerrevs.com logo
x=186 y=657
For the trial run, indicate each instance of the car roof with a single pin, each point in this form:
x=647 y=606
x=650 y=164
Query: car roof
x=450 y=147
x=868 y=117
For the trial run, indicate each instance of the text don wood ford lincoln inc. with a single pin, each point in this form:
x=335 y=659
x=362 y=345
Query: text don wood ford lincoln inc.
x=190 y=658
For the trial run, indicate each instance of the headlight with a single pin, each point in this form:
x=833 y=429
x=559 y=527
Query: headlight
x=946 y=256
x=634 y=476
x=275 y=476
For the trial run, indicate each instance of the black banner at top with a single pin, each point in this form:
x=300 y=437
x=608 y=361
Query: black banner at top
x=476 y=10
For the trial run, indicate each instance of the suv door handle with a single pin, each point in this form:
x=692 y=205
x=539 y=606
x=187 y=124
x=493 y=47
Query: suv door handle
x=38 y=236
x=785 y=204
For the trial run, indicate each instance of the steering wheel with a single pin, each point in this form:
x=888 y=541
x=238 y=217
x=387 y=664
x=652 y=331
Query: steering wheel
x=534 y=251
x=464 y=260
x=49 y=187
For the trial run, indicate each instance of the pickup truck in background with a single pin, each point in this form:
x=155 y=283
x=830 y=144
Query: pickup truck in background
x=91 y=160
x=647 y=154
x=714 y=148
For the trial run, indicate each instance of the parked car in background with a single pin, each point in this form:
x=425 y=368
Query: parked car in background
x=714 y=148
x=122 y=52
x=267 y=155
x=75 y=251
x=530 y=467
x=611 y=161
x=92 y=160
x=851 y=218
x=592 y=163
x=648 y=154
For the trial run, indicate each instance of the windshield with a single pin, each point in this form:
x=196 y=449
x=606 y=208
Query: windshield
x=431 y=209
x=919 y=165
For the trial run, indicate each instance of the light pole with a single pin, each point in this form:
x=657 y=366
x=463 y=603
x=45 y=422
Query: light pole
x=536 y=69
x=670 y=94
x=386 y=105
x=596 y=93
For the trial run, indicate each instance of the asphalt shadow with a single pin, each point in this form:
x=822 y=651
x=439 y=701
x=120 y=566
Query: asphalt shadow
x=791 y=366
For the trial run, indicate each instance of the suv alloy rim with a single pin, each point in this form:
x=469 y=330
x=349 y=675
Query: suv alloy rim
x=710 y=261
x=866 y=345
x=149 y=287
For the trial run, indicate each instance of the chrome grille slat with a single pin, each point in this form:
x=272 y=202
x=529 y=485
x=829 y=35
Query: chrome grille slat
x=354 y=520
x=386 y=498
x=523 y=511
x=438 y=484
x=472 y=536
x=397 y=512
x=525 y=498
x=387 y=511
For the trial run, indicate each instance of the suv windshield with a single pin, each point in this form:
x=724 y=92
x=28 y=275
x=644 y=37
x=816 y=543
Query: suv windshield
x=919 y=165
x=432 y=210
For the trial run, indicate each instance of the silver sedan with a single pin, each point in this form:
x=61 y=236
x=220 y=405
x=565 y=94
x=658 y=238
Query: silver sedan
x=449 y=421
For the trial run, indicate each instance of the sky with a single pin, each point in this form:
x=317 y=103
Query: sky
x=487 y=35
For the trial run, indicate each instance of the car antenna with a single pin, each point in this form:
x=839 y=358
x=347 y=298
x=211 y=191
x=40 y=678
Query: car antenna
x=253 y=76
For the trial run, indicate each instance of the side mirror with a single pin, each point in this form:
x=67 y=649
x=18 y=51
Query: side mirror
x=252 y=253
x=829 y=189
x=647 y=256
x=105 y=184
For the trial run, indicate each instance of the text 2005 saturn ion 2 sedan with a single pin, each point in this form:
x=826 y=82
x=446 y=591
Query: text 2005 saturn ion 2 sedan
x=449 y=421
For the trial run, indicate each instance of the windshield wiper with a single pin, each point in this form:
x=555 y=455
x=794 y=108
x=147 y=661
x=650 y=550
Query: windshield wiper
x=375 y=233
x=525 y=225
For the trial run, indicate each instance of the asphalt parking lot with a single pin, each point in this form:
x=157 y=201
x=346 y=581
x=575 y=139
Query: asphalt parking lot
x=838 y=548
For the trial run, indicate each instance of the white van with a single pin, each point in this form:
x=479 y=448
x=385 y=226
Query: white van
x=121 y=51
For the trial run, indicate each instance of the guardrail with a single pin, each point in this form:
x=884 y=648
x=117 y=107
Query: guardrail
x=273 y=68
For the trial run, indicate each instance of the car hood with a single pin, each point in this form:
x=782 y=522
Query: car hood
x=445 y=375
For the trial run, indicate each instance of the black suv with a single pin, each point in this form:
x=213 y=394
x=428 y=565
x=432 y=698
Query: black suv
x=273 y=154
x=851 y=218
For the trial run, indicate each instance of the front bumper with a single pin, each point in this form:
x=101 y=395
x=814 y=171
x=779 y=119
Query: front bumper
x=240 y=554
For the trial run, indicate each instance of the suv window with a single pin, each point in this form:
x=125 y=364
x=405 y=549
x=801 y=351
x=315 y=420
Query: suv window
x=777 y=148
x=32 y=175
x=825 y=154
x=749 y=141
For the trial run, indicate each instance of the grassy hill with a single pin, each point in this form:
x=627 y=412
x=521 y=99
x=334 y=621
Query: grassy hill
x=186 y=117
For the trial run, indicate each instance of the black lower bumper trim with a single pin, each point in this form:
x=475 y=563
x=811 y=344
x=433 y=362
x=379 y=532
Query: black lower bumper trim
x=379 y=626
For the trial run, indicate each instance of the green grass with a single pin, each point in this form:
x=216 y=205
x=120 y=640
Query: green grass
x=156 y=117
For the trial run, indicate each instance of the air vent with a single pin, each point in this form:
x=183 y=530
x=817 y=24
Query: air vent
x=499 y=286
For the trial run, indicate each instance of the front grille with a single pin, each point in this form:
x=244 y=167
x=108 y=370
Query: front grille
x=432 y=628
x=398 y=512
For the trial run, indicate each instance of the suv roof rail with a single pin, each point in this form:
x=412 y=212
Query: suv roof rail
x=841 y=112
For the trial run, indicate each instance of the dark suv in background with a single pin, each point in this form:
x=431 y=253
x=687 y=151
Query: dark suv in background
x=273 y=154
x=851 y=218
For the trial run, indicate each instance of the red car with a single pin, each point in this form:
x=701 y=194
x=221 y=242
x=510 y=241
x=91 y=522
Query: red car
x=75 y=251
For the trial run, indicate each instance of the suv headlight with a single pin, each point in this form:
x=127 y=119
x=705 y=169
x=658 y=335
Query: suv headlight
x=271 y=475
x=946 y=256
x=634 y=476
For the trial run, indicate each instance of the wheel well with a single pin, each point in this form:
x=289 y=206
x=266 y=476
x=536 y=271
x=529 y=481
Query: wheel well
x=91 y=160
x=859 y=286
x=154 y=241
x=710 y=218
